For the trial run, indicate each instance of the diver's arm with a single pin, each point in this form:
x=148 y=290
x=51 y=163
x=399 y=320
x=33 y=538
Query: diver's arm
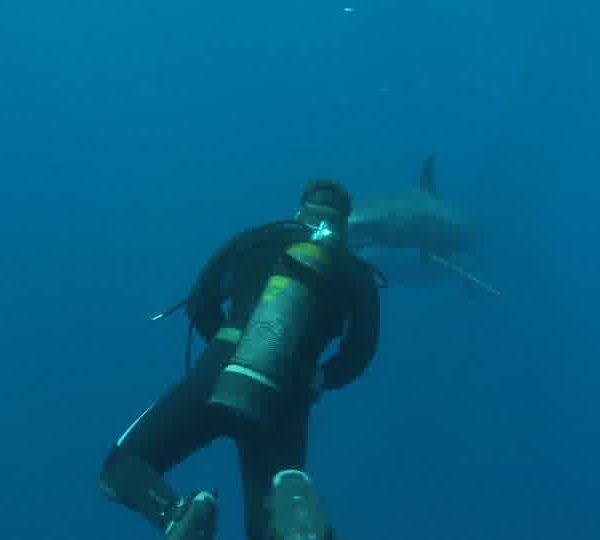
x=205 y=302
x=359 y=344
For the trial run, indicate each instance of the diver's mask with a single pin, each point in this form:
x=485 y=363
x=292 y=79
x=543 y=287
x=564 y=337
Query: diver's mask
x=327 y=225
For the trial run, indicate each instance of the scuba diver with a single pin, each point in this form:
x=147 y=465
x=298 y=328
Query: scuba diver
x=267 y=304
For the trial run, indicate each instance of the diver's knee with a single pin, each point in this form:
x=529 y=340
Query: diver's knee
x=123 y=471
x=113 y=468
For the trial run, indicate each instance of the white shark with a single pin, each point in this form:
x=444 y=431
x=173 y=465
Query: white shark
x=415 y=232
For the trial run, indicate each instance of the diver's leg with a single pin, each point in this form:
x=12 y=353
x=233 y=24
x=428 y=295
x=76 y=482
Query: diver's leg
x=262 y=456
x=163 y=436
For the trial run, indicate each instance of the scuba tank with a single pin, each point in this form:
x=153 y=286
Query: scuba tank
x=322 y=234
x=265 y=364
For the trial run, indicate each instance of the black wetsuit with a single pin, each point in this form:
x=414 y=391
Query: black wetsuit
x=182 y=421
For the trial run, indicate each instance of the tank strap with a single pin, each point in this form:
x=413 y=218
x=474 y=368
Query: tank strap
x=229 y=334
x=252 y=374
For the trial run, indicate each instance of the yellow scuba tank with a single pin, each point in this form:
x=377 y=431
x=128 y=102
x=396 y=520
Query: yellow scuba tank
x=265 y=362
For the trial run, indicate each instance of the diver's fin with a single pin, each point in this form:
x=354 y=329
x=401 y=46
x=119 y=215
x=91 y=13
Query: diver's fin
x=427 y=179
x=471 y=281
x=193 y=517
x=296 y=511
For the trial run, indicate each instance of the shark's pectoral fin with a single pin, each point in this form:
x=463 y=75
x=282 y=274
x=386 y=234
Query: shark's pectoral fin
x=470 y=280
x=381 y=279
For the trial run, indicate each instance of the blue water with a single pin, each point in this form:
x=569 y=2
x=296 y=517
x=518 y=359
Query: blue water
x=135 y=137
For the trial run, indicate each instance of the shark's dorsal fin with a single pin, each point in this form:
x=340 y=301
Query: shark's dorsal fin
x=427 y=181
